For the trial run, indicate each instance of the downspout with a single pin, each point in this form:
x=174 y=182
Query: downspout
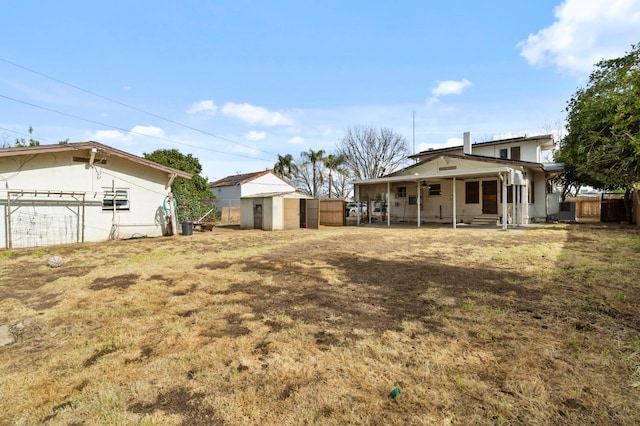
x=93 y=156
x=172 y=177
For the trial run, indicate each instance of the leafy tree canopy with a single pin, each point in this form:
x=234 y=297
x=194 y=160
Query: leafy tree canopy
x=285 y=166
x=602 y=146
x=193 y=196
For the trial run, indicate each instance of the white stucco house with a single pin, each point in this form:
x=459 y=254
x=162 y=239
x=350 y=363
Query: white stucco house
x=229 y=190
x=85 y=191
x=502 y=181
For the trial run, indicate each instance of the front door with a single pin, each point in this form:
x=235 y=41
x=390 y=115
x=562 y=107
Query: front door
x=489 y=197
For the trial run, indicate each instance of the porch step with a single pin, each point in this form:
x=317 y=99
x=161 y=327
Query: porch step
x=485 y=220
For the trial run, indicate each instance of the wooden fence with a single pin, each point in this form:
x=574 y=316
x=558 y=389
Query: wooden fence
x=332 y=212
x=586 y=207
x=606 y=209
x=230 y=216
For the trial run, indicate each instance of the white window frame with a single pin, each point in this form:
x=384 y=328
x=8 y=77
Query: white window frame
x=121 y=200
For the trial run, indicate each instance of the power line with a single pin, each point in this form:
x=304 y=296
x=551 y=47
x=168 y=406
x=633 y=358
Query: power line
x=125 y=130
x=133 y=107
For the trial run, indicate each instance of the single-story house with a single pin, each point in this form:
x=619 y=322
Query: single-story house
x=502 y=181
x=85 y=191
x=279 y=211
x=230 y=189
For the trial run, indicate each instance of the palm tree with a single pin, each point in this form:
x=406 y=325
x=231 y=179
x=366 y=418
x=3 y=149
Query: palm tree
x=285 y=167
x=314 y=157
x=332 y=162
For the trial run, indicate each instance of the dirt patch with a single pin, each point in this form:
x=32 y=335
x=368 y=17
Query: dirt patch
x=119 y=281
x=234 y=328
x=180 y=401
x=97 y=355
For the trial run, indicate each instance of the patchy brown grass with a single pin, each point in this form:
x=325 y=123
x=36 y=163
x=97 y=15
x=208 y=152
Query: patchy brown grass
x=317 y=327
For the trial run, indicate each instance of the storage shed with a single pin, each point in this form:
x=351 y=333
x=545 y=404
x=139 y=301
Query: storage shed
x=279 y=211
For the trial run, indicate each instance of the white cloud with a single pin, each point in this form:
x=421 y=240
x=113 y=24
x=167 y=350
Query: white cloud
x=451 y=87
x=425 y=146
x=296 y=140
x=208 y=107
x=245 y=150
x=585 y=32
x=115 y=137
x=110 y=136
x=148 y=131
x=256 y=115
x=448 y=87
x=254 y=135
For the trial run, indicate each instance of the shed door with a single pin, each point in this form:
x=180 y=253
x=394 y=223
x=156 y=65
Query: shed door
x=313 y=214
x=489 y=197
x=291 y=215
x=257 y=215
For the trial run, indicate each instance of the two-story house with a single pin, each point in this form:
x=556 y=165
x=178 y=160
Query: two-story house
x=502 y=181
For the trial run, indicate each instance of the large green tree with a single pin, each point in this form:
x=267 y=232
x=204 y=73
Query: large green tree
x=602 y=146
x=193 y=196
x=285 y=166
x=333 y=163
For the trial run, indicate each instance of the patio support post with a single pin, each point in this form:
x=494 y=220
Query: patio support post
x=419 y=201
x=388 y=204
x=454 y=203
x=356 y=190
x=504 y=200
x=525 y=202
x=514 y=203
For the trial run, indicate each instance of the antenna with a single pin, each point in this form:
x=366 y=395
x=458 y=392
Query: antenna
x=414 y=134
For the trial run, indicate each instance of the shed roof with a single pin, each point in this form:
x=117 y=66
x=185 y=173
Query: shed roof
x=240 y=179
x=294 y=194
x=83 y=146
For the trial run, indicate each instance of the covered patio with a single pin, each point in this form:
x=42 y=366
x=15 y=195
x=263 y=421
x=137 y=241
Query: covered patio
x=452 y=196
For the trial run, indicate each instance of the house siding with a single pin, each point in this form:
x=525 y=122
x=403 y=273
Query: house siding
x=229 y=195
x=56 y=173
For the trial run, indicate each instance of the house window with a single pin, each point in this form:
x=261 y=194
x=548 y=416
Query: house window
x=504 y=153
x=515 y=153
x=532 y=193
x=118 y=198
x=413 y=200
x=434 y=189
x=510 y=194
x=401 y=192
x=472 y=192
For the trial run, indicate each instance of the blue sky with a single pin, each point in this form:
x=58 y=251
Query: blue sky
x=237 y=82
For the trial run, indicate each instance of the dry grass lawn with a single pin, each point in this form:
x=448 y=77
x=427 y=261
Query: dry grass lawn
x=237 y=327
